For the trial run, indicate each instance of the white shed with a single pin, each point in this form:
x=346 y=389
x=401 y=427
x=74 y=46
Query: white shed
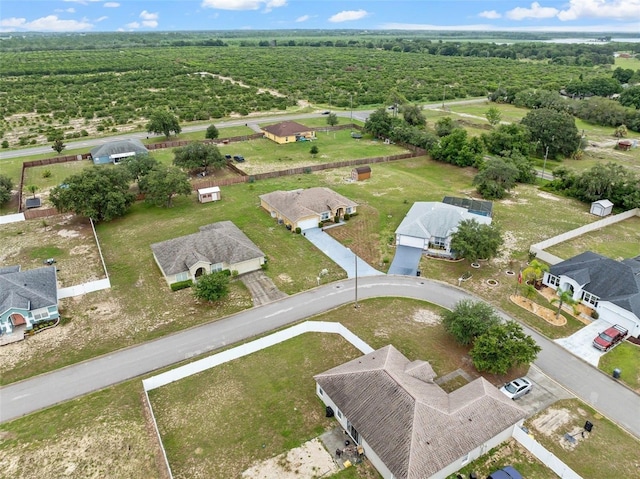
x=205 y=195
x=601 y=208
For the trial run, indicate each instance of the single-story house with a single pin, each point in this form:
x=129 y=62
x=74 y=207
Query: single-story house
x=306 y=208
x=360 y=173
x=610 y=287
x=601 y=208
x=288 y=132
x=429 y=226
x=27 y=298
x=114 y=151
x=408 y=427
x=215 y=247
x=205 y=195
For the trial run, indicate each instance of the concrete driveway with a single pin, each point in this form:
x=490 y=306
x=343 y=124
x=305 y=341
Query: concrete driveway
x=544 y=393
x=580 y=342
x=261 y=287
x=406 y=261
x=341 y=255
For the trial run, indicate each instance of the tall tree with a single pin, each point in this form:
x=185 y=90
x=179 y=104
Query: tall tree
x=495 y=178
x=553 y=132
x=413 y=115
x=163 y=121
x=139 y=165
x=212 y=287
x=58 y=145
x=212 y=132
x=493 y=116
x=468 y=320
x=163 y=183
x=332 y=119
x=100 y=192
x=199 y=155
x=473 y=240
x=502 y=347
x=445 y=126
x=507 y=138
x=6 y=185
x=379 y=123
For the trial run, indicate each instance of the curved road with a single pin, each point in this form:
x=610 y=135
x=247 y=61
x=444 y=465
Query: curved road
x=593 y=387
x=360 y=115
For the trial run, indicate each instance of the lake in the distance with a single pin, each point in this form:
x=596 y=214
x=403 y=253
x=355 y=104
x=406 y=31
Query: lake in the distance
x=592 y=41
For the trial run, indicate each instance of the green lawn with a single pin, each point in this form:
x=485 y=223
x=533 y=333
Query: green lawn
x=620 y=240
x=626 y=358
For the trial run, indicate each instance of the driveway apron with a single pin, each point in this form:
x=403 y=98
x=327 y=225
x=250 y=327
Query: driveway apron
x=580 y=343
x=406 y=261
x=341 y=255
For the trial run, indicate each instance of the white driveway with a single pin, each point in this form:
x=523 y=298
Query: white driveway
x=580 y=342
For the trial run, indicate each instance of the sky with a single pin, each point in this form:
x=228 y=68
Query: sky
x=173 y=15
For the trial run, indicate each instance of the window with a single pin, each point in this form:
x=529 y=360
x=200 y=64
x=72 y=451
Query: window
x=438 y=242
x=349 y=210
x=590 y=298
x=216 y=267
x=182 y=276
x=40 y=315
x=465 y=459
x=339 y=414
x=320 y=391
x=325 y=215
x=553 y=280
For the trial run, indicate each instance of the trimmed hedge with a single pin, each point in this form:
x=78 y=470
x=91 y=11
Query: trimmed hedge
x=181 y=285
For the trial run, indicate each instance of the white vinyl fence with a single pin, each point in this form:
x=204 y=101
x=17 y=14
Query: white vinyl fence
x=545 y=456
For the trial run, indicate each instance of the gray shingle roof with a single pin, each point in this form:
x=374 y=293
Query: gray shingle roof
x=286 y=128
x=414 y=426
x=119 y=146
x=221 y=242
x=428 y=219
x=300 y=203
x=610 y=280
x=31 y=289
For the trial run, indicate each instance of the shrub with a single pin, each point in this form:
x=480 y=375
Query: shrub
x=346 y=216
x=298 y=230
x=252 y=179
x=181 y=285
x=595 y=314
x=306 y=170
x=234 y=273
x=46 y=174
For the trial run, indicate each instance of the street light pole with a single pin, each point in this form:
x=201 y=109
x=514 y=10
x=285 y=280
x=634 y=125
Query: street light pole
x=356 y=261
x=351 y=106
x=444 y=91
x=544 y=164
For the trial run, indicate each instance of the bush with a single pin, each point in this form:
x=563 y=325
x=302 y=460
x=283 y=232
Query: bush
x=181 y=285
x=46 y=174
x=346 y=216
x=298 y=230
x=595 y=314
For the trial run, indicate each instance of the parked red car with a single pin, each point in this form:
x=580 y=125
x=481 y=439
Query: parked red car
x=610 y=337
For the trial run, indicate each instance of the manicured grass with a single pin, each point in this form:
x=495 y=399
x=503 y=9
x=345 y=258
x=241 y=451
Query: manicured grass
x=591 y=457
x=626 y=358
x=48 y=176
x=620 y=240
x=632 y=63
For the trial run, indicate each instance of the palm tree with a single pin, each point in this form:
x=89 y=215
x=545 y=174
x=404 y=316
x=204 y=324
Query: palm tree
x=564 y=297
x=32 y=189
x=535 y=272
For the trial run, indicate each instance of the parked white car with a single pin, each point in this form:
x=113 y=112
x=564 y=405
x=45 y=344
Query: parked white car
x=517 y=388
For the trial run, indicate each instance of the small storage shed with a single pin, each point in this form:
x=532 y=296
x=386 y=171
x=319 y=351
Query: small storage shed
x=624 y=145
x=601 y=208
x=360 y=173
x=206 y=195
x=32 y=203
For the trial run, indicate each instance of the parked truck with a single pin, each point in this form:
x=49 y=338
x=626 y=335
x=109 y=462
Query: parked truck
x=610 y=337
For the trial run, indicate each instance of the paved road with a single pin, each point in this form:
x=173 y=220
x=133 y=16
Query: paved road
x=87 y=144
x=600 y=391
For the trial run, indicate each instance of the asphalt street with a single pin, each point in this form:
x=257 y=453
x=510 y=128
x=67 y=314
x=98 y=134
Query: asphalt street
x=589 y=384
x=360 y=115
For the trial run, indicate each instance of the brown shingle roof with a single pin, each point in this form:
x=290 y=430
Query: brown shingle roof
x=286 y=128
x=298 y=204
x=221 y=242
x=414 y=426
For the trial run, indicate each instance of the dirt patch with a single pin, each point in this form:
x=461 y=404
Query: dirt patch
x=308 y=461
x=547 y=196
x=428 y=317
x=545 y=313
x=554 y=423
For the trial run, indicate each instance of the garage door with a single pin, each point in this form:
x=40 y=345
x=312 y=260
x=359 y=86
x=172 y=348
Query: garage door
x=306 y=224
x=411 y=241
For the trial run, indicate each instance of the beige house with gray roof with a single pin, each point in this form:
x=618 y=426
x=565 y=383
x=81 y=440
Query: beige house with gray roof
x=407 y=425
x=305 y=208
x=215 y=247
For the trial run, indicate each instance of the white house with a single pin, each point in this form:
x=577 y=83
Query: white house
x=429 y=226
x=601 y=208
x=407 y=425
x=206 y=195
x=610 y=287
x=216 y=247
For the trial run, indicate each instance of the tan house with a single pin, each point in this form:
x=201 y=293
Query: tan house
x=407 y=426
x=206 y=195
x=288 y=132
x=360 y=173
x=215 y=247
x=306 y=208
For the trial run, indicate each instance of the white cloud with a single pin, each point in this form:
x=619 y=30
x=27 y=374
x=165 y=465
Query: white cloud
x=82 y=2
x=132 y=25
x=244 y=4
x=490 y=14
x=111 y=5
x=101 y=19
x=348 y=16
x=148 y=15
x=67 y=10
x=303 y=18
x=50 y=23
x=618 y=9
x=613 y=27
x=536 y=11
